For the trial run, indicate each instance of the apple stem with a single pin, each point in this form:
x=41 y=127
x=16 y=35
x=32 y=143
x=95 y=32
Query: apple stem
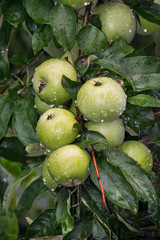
x=99 y=180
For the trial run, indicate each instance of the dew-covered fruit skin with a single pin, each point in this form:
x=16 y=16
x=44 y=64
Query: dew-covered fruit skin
x=55 y=128
x=47 y=81
x=69 y=165
x=138 y=152
x=101 y=99
x=113 y=131
x=47 y=179
x=76 y=4
x=118 y=21
x=40 y=105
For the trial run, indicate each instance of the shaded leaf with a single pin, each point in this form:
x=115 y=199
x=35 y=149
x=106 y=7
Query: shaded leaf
x=44 y=225
x=6 y=110
x=62 y=212
x=72 y=87
x=133 y=173
x=98 y=231
x=13 y=11
x=34 y=190
x=3 y=184
x=90 y=39
x=82 y=229
x=13 y=186
x=38 y=10
x=41 y=37
x=144 y=101
x=63 y=21
x=31 y=24
x=89 y=138
x=12 y=149
x=143 y=82
x=24 y=124
x=115 y=185
x=82 y=64
x=12 y=167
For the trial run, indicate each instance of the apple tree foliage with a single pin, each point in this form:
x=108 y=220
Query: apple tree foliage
x=32 y=31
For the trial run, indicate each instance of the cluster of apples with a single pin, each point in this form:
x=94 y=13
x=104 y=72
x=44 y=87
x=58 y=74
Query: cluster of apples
x=101 y=101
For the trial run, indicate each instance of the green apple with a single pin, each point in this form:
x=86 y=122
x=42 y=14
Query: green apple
x=40 y=105
x=47 y=81
x=47 y=179
x=118 y=21
x=69 y=165
x=101 y=99
x=113 y=132
x=138 y=152
x=147 y=27
x=76 y=4
x=55 y=128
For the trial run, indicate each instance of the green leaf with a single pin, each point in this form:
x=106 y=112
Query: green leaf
x=92 y=199
x=82 y=229
x=12 y=149
x=150 y=13
x=144 y=101
x=38 y=10
x=44 y=225
x=115 y=185
x=90 y=39
x=6 y=110
x=24 y=121
x=89 y=138
x=62 y=212
x=14 y=185
x=5 y=31
x=3 y=184
x=136 y=70
x=41 y=37
x=99 y=232
x=133 y=173
x=82 y=64
x=116 y=51
x=148 y=50
x=13 y=11
x=4 y=69
x=8 y=226
x=34 y=190
x=72 y=87
x=31 y=24
x=12 y=167
x=143 y=82
x=63 y=21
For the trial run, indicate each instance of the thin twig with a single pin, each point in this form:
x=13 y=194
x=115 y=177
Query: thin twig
x=99 y=180
x=31 y=64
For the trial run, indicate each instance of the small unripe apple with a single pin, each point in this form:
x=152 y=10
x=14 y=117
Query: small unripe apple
x=138 y=152
x=55 y=128
x=69 y=165
x=76 y=4
x=147 y=27
x=47 y=81
x=40 y=105
x=113 y=132
x=48 y=180
x=101 y=99
x=118 y=21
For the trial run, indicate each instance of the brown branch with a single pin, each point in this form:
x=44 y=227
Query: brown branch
x=38 y=56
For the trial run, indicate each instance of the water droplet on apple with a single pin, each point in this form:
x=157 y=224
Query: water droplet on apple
x=35 y=106
x=145 y=30
x=130 y=30
x=102 y=120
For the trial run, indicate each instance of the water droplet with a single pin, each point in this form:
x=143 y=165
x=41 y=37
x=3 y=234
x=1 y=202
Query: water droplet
x=86 y=3
x=102 y=120
x=145 y=30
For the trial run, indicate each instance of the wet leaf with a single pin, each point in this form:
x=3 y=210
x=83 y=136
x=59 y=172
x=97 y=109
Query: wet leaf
x=144 y=101
x=72 y=87
x=63 y=23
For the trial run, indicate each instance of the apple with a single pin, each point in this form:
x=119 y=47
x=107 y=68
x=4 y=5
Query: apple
x=118 y=21
x=147 y=27
x=113 y=132
x=40 y=105
x=69 y=165
x=55 y=128
x=77 y=4
x=101 y=99
x=47 y=81
x=48 y=180
x=138 y=152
